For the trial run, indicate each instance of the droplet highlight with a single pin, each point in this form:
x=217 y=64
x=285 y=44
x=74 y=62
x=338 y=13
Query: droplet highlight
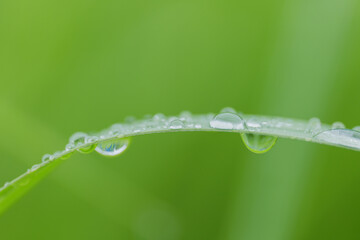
x=113 y=147
x=258 y=143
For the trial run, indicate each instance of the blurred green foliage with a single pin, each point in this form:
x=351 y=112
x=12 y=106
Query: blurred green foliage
x=68 y=66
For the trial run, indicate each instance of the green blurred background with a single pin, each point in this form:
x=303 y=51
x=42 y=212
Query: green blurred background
x=68 y=66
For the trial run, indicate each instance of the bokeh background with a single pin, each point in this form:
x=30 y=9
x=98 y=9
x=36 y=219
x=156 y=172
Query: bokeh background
x=68 y=66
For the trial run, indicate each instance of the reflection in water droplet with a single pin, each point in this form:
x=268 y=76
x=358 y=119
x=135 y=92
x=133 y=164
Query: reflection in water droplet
x=340 y=137
x=176 y=124
x=337 y=125
x=227 y=121
x=113 y=147
x=258 y=143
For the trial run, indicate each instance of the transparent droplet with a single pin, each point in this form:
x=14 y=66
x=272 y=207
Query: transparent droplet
x=227 y=121
x=47 y=157
x=228 y=110
x=314 y=126
x=66 y=155
x=340 y=137
x=357 y=128
x=70 y=147
x=258 y=143
x=78 y=138
x=113 y=147
x=185 y=116
x=176 y=124
x=337 y=125
x=88 y=149
x=34 y=167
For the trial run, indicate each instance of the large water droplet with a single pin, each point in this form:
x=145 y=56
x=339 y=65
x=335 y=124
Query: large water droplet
x=176 y=124
x=258 y=143
x=113 y=147
x=227 y=121
x=340 y=137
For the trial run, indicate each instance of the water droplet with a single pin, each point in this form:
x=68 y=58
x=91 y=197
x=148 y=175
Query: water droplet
x=78 y=138
x=227 y=121
x=258 y=143
x=185 y=116
x=66 y=155
x=159 y=117
x=228 y=110
x=113 y=147
x=35 y=167
x=69 y=146
x=176 y=124
x=357 y=128
x=88 y=149
x=47 y=157
x=337 y=125
x=340 y=137
x=314 y=125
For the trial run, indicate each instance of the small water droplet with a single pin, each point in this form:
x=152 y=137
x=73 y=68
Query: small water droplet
x=258 y=143
x=227 y=121
x=159 y=117
x=88 y=149
x=66 y=155
x=176 y=124
x=34 y=167
x=314 y=125
x=337 y=125
x=47 y=157
x=185 y=116
x=113 y=147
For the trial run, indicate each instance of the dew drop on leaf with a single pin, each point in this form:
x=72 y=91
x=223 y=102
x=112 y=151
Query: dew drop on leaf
x=258 y=143
x=112 y=147
x=227 y=120
x=87 y=149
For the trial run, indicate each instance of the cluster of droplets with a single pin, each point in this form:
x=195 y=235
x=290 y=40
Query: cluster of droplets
x=258 y=133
